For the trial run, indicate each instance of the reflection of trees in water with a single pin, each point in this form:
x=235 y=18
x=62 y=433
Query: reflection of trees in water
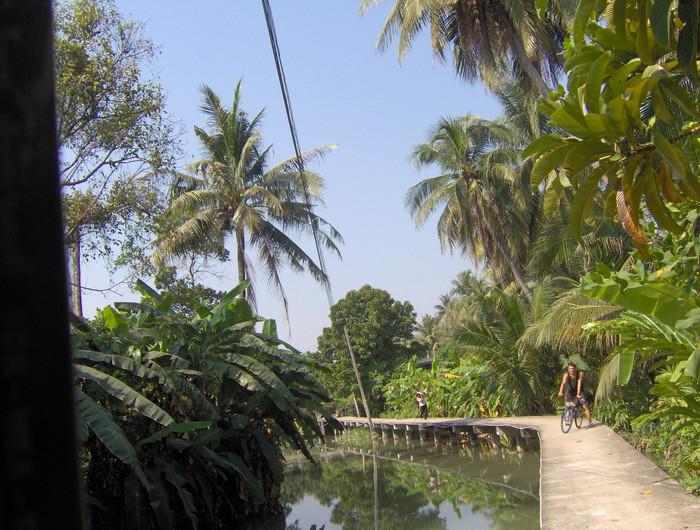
x=345 y=484
x=407 y=495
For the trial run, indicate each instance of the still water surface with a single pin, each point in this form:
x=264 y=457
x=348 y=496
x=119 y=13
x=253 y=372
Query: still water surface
x=412 y=486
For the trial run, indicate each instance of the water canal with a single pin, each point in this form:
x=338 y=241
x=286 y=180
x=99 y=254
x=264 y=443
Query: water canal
x=412 y=485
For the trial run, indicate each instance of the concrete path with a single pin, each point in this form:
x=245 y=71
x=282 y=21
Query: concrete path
x=592 y=478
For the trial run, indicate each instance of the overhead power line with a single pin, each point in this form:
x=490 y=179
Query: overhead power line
x=307 y=197
x=295 y=140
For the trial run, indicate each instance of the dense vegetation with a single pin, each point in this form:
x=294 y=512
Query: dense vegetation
x=582 y=216
x=579 y=207
x=182 y=418
x=186 y=398
x=379 y=329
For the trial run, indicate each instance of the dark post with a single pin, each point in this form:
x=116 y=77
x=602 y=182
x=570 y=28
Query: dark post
x=38 y=459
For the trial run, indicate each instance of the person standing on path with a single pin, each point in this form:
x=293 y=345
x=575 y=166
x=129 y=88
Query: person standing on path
x=422 y=405
x=573 y=383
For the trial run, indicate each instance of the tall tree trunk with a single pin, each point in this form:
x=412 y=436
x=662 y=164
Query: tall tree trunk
x=240 y=256
x=76 y=292
x=531 y=71
x=463 y=10
x=38 y=449
x=515 y=269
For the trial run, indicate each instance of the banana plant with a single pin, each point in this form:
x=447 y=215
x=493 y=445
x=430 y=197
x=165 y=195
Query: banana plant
x=193 y=411
x=660 y=330
x=467 y=389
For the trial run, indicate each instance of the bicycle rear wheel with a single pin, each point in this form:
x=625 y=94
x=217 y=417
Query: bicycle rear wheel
x=578 y=416
x=566 y=420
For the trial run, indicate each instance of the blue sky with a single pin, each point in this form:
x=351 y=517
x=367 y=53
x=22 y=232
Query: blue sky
x=342 y=92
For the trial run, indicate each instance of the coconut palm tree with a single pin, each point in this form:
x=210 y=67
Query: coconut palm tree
x=490 y=330
x=486 y=210
x=552 y=247
x=232 y=193
x=491 y=40
x=557 y=252
x=427 y=333
x=442 y=306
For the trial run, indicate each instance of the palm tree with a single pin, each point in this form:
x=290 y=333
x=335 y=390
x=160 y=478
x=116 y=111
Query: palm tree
x=557 y=252
x=486 y=209
x=491 y=40
x=231 y=192
x=427 y=333
x=463 y=283
x=552 y=247
x=442 y=306
x=490 y=330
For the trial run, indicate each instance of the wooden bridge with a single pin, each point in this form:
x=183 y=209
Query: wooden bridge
x=454 y=430
x=589 y=478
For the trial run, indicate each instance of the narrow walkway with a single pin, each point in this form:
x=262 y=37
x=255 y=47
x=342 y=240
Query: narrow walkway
x=592 y=478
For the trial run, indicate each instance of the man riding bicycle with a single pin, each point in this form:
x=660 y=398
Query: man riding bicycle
x=573 y=382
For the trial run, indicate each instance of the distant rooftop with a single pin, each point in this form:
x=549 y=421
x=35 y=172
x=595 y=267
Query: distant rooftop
x=425 y=363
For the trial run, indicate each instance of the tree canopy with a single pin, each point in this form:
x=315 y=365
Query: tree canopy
x=490 y=40
x=232 y=191
x=380 y=330
x=114 y=137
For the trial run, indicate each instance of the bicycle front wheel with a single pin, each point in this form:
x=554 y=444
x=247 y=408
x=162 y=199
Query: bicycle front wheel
x=566 y=420
x=578 y=416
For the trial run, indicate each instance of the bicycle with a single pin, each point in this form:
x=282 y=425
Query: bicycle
x=572 y=413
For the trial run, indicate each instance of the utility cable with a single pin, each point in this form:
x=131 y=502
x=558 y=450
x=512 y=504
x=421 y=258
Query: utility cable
x=295 y=140
x=307 y=197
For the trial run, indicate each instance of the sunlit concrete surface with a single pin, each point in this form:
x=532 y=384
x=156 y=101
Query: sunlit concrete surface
x=592 y=478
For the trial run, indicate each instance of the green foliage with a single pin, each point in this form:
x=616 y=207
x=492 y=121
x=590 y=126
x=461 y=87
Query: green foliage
x=644 y=293
x=380 y=330
x=669 y=442
x=187 y=294
x=234 y=193
x=625 y=405
x=114 y=137
x=628 y=116
x=628 y=119
x=104 y=105
x=182 y=417
x=465 y=390
x=493 y=329
x=659 y=335
x=672 y=445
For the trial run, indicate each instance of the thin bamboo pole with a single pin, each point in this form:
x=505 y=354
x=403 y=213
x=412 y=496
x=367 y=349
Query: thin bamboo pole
x=359 y=382
x=357 y=407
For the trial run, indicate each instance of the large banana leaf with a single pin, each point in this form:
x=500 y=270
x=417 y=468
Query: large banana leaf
x=124 y=393
x=261 y=371
x=181 y=481
x=233 y=462
x=261 y=344
x=271 y=456
x=102 y=424
x=121 y=362
x=658 y=299
x=173 y=360
x=178 y=427
x=136 y=504
x=200 y=367
x=158 y=495
x=113 y=320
